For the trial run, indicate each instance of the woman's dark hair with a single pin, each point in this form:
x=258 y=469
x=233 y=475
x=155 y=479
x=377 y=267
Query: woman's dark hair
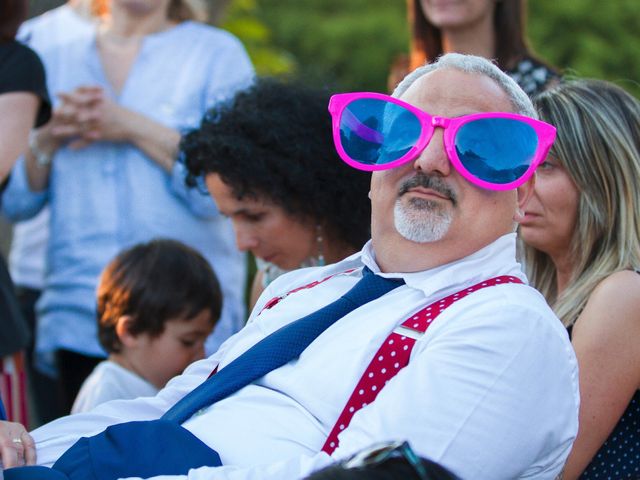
x=12 y=14
x=392 y=469
x=273 y=142
x=509 y=25
x=155 y=282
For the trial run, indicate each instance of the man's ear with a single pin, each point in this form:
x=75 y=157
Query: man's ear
x=123 y=331
x=524 y=193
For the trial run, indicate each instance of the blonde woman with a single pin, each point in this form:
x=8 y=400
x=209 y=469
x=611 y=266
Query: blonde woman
x=582 y=249
x=106 y=165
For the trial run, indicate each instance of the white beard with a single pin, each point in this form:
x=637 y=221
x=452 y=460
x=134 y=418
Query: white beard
x=421 y=221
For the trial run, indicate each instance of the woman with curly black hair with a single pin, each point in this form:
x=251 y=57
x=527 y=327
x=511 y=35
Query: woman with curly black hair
x=269 y=163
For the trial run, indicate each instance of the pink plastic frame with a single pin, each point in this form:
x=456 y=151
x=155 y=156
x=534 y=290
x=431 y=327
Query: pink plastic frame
x=546 y=135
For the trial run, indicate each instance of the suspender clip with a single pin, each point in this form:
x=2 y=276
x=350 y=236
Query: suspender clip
x=408 y=332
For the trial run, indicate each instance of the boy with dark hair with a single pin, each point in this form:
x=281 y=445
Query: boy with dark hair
x=157 y=303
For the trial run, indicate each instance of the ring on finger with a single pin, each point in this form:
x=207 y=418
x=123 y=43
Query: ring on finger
x=17 y=441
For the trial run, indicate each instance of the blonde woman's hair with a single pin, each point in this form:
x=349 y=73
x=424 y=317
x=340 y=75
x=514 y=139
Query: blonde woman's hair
x=598 y=143
x=183 y=10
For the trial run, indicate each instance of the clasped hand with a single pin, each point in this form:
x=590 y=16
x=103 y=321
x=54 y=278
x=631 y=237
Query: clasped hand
x=17 y=448
x=85 y=115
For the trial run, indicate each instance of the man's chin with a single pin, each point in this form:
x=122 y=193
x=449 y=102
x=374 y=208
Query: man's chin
x=420 y=239
x=420 y=225
x=422 y=234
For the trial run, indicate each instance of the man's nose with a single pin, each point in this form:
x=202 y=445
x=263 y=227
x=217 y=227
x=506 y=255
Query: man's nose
x=433 y=159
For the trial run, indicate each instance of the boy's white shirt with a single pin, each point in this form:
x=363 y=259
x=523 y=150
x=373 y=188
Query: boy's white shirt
x=110 y=381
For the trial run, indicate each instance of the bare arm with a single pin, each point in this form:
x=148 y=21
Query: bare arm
x=43 y=140
x=86 y=115
x=605 y=340
x=100 y=118
x=18 y=112
x=65 y=124
x=159 y=142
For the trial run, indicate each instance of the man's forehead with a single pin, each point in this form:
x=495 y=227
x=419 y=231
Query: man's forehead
x=452 y=92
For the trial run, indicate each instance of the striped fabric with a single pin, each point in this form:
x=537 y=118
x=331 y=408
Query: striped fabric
x=13 y=387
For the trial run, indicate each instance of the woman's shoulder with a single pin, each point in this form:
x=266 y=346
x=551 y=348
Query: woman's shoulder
x=16 y=54
x=613 y=308
x=20 y=65
x=21 y=70
x=623 y=285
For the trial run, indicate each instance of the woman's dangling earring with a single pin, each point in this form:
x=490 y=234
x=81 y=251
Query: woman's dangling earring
x=319 y=242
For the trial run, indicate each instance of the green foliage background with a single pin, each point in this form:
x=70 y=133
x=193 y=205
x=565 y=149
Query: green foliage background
x=349 y=44
x=590 y=38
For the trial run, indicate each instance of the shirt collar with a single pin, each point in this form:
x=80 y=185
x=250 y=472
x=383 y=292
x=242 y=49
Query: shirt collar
x=497 y=258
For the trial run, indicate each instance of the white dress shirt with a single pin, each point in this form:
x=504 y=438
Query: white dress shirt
x=491 y=390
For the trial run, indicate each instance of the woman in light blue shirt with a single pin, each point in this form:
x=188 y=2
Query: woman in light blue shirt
x=106 y=164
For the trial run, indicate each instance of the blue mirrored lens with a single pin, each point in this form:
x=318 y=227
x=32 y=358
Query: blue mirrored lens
x=375 y=132
x=496 y=150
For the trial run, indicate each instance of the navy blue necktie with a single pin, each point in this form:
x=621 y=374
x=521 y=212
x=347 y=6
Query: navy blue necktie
x=279 y=348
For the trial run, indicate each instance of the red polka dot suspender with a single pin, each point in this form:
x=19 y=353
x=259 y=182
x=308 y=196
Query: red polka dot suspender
x=394 y=354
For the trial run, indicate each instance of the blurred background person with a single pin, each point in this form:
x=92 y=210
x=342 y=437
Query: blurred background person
x=44 y=33
x=582 y=251
x=271 y=167
x=488 y=28
x=24 y=103
x=157 y=304
x=106 y=166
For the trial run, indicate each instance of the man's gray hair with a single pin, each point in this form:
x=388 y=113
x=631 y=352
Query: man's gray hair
x=478 y=65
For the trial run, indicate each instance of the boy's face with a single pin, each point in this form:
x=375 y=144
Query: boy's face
x=158 y=359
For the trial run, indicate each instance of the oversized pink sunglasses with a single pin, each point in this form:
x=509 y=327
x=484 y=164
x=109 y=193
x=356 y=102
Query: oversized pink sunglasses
x=494 y=150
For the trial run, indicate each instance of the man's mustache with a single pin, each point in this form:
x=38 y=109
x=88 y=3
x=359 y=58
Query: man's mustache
x=431 y=182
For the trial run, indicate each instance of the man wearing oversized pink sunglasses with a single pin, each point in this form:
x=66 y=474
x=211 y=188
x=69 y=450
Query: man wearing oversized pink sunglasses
x=429 y=334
